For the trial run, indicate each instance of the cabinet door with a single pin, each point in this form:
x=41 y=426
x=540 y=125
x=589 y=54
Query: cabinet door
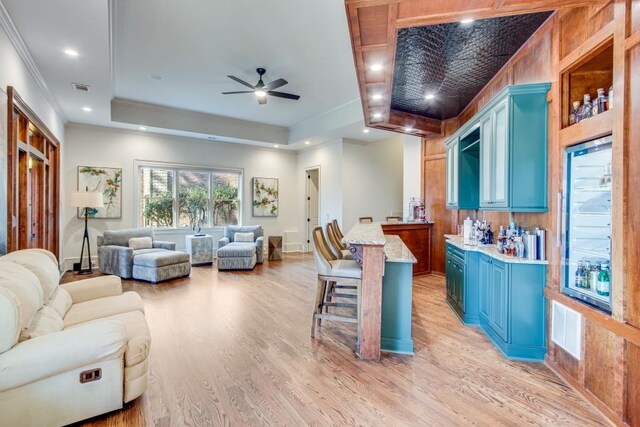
x=486 y=169
x=500 y=166
x=452 y=174
x=499 y=303
x=483 y=287
x=460 y=285
x=449 y=273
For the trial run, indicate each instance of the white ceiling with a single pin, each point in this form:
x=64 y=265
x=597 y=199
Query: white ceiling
x=193 y=45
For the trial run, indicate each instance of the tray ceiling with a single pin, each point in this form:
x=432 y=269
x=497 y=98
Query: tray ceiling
x=454 y=61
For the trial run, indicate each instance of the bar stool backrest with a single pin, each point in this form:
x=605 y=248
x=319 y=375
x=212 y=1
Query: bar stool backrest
x=393 y=219
x=365 y=219
x=336 y=245
x=336 y=228
x=322 y=253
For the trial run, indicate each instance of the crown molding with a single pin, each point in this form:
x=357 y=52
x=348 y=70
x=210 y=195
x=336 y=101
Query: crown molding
x=6 y=23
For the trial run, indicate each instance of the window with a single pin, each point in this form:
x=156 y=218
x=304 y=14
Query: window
x=172 y=197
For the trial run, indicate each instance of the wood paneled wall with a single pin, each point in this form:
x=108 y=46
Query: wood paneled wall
x=608 y=373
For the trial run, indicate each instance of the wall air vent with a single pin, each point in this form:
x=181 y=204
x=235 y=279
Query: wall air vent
x=566 y=329
x=81 y=87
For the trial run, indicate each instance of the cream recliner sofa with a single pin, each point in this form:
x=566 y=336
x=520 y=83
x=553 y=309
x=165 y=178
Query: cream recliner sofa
x=67 y=352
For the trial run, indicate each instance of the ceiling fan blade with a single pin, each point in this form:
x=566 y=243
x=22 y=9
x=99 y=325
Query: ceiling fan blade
x=283 y=95
x=240 y=91
x=242 y=82
x=262 y=100
x=275 y=84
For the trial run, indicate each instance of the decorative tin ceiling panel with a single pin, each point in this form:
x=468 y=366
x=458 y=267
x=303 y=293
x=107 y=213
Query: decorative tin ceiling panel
x=454 y=61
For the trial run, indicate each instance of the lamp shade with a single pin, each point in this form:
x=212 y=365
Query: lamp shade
x=86 y=199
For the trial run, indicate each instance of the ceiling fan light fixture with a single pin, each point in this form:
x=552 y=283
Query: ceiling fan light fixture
x=260 y=93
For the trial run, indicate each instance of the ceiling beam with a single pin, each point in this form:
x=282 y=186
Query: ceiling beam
x=374 y=25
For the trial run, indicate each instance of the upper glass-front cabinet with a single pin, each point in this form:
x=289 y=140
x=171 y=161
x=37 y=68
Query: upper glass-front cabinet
x=452 y=173
x=512 y=158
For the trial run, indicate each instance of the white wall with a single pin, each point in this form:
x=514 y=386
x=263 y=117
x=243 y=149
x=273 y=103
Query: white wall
x=14 y=72
x=411 y=170
x=372 y=179
x=328 y=158
x=108 y=147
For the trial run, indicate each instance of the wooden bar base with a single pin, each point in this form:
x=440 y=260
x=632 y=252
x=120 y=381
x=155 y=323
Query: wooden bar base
x=370 y=302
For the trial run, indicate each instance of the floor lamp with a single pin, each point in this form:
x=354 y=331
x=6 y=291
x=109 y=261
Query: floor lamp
x=86 y=200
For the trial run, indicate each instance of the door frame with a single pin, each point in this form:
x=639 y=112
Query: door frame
x=307 y=245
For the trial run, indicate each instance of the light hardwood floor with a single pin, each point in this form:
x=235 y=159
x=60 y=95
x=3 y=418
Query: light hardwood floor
x=233 y=348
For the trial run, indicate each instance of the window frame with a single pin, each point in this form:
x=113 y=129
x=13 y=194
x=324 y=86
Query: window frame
x=176 y=168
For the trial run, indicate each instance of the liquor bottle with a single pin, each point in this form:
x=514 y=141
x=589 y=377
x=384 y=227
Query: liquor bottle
x=600 y=104
x=573 y=117
x=610 y=99
x=585 y=275
x=579 y=275
x=585 y=109
x=604 y=281
x=593 y=276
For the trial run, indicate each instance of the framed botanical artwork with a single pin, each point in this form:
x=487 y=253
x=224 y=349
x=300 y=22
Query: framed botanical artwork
x=265 y=196
x=108 y=181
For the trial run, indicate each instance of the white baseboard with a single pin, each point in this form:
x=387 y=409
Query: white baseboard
x=67 y=263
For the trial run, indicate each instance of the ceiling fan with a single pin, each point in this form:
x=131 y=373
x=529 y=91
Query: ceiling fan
x=261 y=90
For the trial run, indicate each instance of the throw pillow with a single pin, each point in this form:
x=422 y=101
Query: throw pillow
x=243 y=237
x=140 y=243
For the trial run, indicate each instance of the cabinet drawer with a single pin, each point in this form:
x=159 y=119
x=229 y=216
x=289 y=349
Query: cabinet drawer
x=456 y=252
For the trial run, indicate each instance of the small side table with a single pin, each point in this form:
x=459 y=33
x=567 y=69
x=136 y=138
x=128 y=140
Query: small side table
x=200 y=249
x=275 y=248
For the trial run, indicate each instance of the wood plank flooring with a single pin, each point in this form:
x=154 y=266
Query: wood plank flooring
x=233 y=348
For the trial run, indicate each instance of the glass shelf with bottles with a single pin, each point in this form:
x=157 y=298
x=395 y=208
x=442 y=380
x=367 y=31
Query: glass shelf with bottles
x=592 y=276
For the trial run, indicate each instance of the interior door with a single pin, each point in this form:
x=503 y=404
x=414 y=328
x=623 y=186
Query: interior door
x=313 y=215
x=500 y=155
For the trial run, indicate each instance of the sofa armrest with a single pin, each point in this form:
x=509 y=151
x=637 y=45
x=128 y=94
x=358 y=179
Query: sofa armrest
x=116 y=260
x=159 y=244
x=223 y=242
x=260 y=249
x=51 y=354
x=96 y=287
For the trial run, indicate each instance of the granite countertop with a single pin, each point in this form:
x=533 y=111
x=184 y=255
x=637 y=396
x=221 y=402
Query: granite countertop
x=491 y=250
x=365 y=234
x=397 y=251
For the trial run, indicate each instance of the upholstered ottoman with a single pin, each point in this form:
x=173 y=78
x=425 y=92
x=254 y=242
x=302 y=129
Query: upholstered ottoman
x=155 y=267
x=237 y=256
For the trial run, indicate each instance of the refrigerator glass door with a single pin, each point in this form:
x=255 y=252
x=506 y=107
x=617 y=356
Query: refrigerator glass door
x=587 y=212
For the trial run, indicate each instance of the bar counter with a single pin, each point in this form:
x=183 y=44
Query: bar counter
x=386 y=291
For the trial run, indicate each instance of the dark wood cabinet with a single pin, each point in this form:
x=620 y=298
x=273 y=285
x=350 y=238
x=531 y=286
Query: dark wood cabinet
x=417 y=237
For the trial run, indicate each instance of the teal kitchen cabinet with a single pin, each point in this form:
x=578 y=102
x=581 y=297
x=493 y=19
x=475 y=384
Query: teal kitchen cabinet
x=512 y=307
x=507 y=170
x=463 y=171
x=461 y=278
x=514 y=150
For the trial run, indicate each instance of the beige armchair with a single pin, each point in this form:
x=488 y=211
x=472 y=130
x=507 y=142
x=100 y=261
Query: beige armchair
x=67 y=352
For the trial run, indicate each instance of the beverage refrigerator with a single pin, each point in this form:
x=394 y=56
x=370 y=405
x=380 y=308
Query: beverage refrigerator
x=586 y=218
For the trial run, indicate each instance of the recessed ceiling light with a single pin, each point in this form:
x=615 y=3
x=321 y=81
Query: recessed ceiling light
x=376 y=67
x=429 y=96
x=467 y=21
x=87 y=109
x=275 y=146
x=377 y=115
x=71 y=52
x=260 y=93
x=408 y=129
x=365 y=130
x=377 y=96
x=142 y=128
x=307 y=142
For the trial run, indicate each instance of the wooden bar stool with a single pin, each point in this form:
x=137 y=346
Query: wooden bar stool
x=337 y=246
x=393 y=219
x=339 y=232
x=334 y=274
x=365 y=219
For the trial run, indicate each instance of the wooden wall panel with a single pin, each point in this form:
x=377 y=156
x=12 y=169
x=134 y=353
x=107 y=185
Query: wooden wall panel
x=373 y=25
x=600 y=355
x=632 y=401
x=633 y=203
x=568 y=363
x=577 y=25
